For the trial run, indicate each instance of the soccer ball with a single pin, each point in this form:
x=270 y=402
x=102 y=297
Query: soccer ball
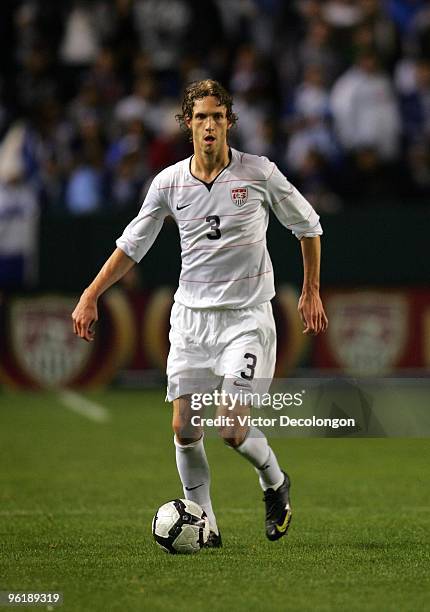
x=180 y=526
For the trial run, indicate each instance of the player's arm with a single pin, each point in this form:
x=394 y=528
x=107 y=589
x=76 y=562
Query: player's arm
x=135 y=241
x=310 y=305
x=296 y=213
x=85 y=314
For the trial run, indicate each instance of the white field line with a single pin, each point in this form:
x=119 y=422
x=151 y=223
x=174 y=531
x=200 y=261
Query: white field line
x=83 y=406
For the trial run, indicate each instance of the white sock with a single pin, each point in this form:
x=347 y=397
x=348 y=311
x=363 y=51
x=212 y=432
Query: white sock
x=256 y=449
x=193 y=468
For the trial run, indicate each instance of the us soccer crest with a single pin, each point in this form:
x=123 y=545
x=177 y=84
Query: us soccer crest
x=40 y=350
x=368 y=331
x=239 y=195
x=43 y=342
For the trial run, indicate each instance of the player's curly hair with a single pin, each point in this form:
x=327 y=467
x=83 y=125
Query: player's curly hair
x=201 y=89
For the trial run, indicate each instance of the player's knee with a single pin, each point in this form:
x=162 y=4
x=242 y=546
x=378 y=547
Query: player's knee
x=233 y=442
x=179 y=427
x=184 y=432
x=233 y=438
x=230 y=428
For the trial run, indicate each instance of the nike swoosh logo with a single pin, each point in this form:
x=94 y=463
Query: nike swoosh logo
x=192 y=488
x=282 y=528
x=181 y=207
x=237 y=383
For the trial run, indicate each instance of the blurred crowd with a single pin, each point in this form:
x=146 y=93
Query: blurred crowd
x=336 y=92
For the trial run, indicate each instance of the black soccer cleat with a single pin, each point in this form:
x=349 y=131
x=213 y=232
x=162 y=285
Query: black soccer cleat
x=278 y=510
x=213 y=541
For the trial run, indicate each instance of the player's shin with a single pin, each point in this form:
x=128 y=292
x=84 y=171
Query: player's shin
x=257 y=451
x=193 y=468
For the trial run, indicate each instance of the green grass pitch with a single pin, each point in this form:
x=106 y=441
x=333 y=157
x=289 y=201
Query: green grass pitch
x=77 y=498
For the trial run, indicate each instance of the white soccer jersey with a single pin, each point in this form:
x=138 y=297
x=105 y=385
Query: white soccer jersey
x=225 y=261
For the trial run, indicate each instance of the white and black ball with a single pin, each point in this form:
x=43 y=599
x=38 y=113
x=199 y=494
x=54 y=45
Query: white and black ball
x=180 y=526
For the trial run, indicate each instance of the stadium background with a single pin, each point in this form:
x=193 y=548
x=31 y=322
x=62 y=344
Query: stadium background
x=337 y=92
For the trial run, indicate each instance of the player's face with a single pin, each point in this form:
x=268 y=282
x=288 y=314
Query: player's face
x=209 y=125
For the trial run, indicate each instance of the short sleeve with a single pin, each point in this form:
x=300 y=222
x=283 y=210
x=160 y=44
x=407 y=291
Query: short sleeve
x=291 y=208
x=141 y=232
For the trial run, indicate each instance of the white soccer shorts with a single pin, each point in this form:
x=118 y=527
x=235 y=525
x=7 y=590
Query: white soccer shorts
x=210 y=347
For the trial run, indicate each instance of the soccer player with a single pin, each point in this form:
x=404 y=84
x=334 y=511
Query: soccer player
x=222 y=329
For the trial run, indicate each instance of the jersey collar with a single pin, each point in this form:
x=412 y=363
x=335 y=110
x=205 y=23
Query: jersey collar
x=209 y=185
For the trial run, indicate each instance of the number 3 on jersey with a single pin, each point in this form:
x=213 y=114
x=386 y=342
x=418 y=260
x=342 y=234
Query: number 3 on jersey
x=214 y=222
x=248 y=374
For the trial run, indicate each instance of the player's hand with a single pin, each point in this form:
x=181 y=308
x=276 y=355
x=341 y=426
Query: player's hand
x=312 y=313
x=84 y=317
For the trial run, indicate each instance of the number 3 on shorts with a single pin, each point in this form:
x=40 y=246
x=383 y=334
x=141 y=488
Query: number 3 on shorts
x=248 y=374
